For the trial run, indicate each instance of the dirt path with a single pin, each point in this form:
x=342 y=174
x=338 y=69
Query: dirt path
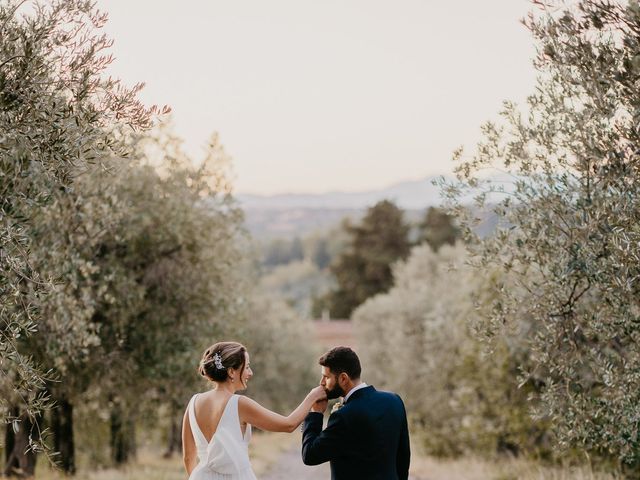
x=290 y=467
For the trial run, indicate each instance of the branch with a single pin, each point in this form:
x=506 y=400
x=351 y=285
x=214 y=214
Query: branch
x=12 y=58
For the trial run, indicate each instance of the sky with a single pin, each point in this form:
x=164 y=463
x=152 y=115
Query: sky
x=311 y=96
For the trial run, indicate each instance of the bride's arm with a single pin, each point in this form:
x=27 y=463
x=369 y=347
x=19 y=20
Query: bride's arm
x=189 y=454
x=255 y=414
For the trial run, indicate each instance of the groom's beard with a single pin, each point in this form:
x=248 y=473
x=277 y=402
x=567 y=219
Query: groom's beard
x=335 y=392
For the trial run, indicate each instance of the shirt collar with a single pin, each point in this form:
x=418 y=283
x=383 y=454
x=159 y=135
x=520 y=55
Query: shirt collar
x=357 y=387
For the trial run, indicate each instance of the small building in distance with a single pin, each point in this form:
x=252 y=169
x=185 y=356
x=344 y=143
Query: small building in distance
x=332 y=333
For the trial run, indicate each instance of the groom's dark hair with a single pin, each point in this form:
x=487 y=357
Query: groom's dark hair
x=342 y=359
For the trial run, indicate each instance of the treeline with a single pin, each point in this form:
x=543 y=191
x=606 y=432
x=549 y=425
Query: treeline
x=330 y=273
x=526 y=341
x=318 y=248
x=383 y=237
x=323 y=247
x=121 y=261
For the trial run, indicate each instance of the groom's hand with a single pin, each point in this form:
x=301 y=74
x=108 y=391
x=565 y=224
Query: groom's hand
x=320 y=406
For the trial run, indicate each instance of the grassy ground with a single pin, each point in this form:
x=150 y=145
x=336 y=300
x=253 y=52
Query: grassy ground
x=266 y=448
x=427 y=468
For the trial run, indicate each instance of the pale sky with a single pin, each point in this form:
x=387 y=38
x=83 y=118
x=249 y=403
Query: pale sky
x=315 y=96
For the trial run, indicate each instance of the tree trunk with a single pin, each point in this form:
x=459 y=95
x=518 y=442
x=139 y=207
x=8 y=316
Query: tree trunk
x=174 y=442
x=62 y=429
x=123 y=443
x=20 y=459
x=9 y=436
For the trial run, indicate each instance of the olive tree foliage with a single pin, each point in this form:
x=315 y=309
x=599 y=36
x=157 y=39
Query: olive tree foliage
x=179 y=243
x=57 y=116
x=144 y=254
x=419 y=341
x=570 y=233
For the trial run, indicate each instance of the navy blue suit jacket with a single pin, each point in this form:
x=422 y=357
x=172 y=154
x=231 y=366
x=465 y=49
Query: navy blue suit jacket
x=367 y=438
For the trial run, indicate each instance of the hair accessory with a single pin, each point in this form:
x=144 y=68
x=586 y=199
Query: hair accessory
x=217 y=359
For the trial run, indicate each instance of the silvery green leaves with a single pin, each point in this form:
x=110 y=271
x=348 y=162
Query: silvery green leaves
x=57 y=115
x=569 y=237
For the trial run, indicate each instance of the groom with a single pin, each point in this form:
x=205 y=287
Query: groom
x=367 y=436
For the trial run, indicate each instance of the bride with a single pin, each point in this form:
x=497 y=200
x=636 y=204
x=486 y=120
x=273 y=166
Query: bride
x=216 y=428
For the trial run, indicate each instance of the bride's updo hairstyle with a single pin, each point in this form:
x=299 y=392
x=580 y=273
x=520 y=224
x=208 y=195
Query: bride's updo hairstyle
x=221 y=356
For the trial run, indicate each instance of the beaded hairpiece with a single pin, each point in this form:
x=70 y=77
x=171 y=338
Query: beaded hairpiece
x=217 y=359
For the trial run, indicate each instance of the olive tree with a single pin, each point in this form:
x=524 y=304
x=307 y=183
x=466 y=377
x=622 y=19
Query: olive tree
x=58 y=115
x=143 y=253
x=569 y=223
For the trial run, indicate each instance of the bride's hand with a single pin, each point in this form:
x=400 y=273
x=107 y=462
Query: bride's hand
x=318 y=394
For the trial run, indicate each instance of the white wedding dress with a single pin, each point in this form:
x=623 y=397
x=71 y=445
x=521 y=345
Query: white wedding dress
x=226 y=456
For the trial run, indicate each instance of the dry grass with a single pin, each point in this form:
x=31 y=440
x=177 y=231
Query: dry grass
x=427 y=468
x=147 y=466
x=266 y=448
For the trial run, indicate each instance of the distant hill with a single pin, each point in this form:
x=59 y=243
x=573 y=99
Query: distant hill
x=411 y=195
x=289 y=215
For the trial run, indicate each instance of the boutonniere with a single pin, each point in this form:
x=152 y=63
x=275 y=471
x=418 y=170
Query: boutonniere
x=337 y=406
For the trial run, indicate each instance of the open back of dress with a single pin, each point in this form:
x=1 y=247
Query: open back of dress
x=226 y=456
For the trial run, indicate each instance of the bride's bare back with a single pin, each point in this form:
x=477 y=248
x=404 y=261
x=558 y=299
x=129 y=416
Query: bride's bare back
x=209 y=408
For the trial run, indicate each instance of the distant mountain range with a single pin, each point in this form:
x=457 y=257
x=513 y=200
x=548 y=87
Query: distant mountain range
x=411 y=195
x=289 y=215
